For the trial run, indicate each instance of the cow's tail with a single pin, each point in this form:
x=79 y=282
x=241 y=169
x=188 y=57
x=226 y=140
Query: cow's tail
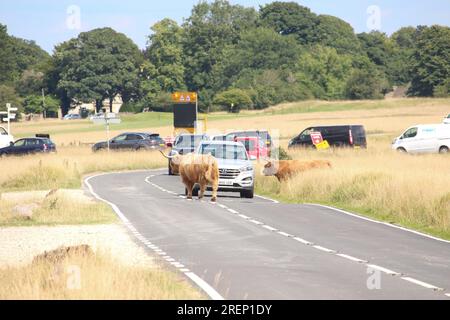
x=212 y=174
x=169 y=157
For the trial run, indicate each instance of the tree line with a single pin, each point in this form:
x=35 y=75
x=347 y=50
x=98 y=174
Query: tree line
x=234 y=57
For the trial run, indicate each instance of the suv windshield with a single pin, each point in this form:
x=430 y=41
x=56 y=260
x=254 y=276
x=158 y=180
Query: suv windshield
x=188 y=141
x=224 y=151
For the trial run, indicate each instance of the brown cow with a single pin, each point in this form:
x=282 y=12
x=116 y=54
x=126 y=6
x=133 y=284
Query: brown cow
x=284 y=169
x=198 y=169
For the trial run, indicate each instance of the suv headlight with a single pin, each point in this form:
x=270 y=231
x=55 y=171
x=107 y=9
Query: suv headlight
x=246 y=169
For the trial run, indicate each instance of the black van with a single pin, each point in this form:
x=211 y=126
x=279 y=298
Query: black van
x=337 y=136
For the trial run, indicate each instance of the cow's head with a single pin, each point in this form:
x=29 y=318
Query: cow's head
x=269 y=169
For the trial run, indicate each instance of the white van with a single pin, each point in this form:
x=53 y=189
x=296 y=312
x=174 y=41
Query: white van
x=424 y=138
x=5 y=138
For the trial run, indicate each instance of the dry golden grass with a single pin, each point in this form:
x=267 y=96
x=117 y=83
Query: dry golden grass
x=92 y=277
x=410 y=190
x=66 y=168
x=57 y=209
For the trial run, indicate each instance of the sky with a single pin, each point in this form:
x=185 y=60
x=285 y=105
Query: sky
x=50 y=22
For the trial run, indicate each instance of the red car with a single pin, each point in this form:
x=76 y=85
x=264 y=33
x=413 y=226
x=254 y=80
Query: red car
x=255 y=147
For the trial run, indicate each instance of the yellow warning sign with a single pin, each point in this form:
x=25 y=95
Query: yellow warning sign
x=323 y=145
x=184 y=97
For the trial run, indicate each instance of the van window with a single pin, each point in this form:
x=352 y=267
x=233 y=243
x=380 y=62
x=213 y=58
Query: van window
x=410 y=133
x=306 y=133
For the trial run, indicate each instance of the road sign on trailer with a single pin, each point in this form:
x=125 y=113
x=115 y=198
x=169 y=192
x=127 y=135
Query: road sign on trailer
x=185 y=110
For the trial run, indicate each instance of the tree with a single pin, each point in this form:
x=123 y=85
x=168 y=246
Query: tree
x=258 y=49
x=7 y=63
x=210 y=29
x=364 y=84
x=31 y=82
x=324 y=72
x=97 y=65
x=290 y=18
x=35 y=104
x=336 y=33
x=377 y=46
x=233 y=99
x=431 y=67
x=8 y=95
x=165 y=51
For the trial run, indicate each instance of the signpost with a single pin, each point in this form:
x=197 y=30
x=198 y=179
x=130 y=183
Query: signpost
x=318 y=141
x=9 y=115
x=109 y=118
x=185 y=111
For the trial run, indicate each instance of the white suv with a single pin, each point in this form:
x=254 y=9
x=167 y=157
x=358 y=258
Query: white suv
x=5 y=138
x=236 y=172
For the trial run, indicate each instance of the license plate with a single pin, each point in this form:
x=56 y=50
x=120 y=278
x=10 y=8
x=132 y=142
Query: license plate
x=226 y=182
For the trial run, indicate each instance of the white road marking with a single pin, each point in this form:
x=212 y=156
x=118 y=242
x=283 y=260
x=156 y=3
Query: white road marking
x=265 y=198
x=346 y=256
x=212 y=293
x=324 y=249
x=269 y=227
x=184 y=270
x=284 y=234
x=162 y=253
x=423 y=284
x=385 y=270
x=379 y=222
x=200 y=282
x=303 y=241
x=170 y=259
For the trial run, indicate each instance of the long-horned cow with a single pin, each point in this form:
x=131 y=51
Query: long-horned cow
x=197 y=169
x=284 y=169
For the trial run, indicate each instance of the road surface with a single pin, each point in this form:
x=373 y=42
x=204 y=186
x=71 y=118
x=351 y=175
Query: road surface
x=260 y=249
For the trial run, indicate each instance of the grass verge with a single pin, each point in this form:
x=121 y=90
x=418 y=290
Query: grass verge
x=92 y=277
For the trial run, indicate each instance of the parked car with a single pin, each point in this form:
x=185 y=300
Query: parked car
x=185 y=143
x=5 y=138
x=262 y=134
x=29 y=146
x=132 y=141
x=428 y=138
x=447 y=119
x=255 y=147
x=337 y=136
x=236 y=172
x=72 y=116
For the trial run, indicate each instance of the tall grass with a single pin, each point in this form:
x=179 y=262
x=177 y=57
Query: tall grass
x=57 y=209
x=92 y=277
x=66 y=168
x=410 y=190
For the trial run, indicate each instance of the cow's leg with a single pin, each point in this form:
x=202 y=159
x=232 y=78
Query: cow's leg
x=215 y=187
x=202 y=190
x=189 y=187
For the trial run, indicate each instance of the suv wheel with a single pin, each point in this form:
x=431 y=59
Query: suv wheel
x=401 y=150
x=443 y=150
x=248 y=194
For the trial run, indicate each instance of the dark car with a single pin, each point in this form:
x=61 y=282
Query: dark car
x=132 y=141
x=263 y=135
x=29 y=146
x=186 y=143
x=337 y=136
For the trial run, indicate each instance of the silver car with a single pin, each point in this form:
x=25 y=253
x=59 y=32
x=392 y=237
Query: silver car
x=236 y=172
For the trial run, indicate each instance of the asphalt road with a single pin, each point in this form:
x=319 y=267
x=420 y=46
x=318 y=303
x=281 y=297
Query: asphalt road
x=260 y=249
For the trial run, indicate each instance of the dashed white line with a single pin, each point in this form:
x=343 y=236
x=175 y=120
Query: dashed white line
x=423 y=284
x=284 y=234
x=346 y=256
x=269 y=227
x=308 y=243
x=213 y=294
x=385 y=270
x=324 y=249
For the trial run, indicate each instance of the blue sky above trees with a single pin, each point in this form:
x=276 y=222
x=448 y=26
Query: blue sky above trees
x=45 y=20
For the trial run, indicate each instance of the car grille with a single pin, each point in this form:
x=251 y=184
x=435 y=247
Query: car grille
x=228 y=173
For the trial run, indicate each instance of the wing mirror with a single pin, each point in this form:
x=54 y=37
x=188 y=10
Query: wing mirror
x=11 y=143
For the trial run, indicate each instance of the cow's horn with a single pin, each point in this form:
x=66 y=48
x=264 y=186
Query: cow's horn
x=169 y=157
